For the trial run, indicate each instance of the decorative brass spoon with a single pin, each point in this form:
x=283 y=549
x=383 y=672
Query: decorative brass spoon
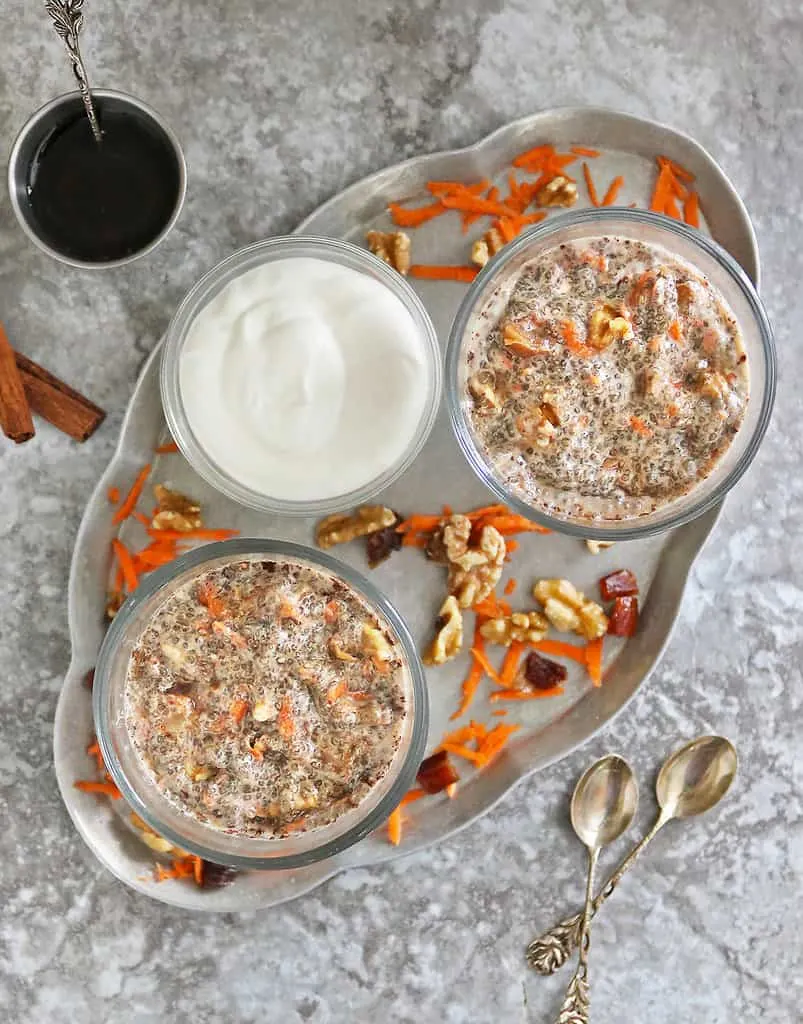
x=603 y=805
x=692 y=781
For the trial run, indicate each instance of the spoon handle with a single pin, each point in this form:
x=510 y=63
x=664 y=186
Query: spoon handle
x=574 y=1009
x=68 y=18
x=550 y=951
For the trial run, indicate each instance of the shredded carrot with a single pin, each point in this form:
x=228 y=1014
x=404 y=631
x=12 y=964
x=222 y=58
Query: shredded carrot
x=674 y=330
x=640 y=427
x=336 y=691
x=446 y=511
x=415 y=218
x=191 y=534
x=487 y=667
x=208 y=597
x=560 y=649
x=554 y=691
x=568 y=329
x=418 y=524
x=691 y=210
x=127 y=507
x=113 y=494
x=594 y=660
x=238 y=709
x=167 y=449
x=395 y=827
x=469 y=203
x=198 y=870
x=286 y=725
x=126 y=564
x=511 y=663
x=415 y=540
x=678 y=170
x=295 y=826
x=411 y=796
x=506 y=229
x=613 y=191
x=512 y=523
x=466 y=733
x=487 y=510
x=495 y=740
x=107 y=788
x=448 y=188
x=94 y=751
x=592 y=190
x=474 y=677
x=537 y=153
x=492 y=607
x=584 y=151
x=443 y=272
x=510 y=586
x=459 y=750
x=510 y=546
x=140 y=518
x=499 y=713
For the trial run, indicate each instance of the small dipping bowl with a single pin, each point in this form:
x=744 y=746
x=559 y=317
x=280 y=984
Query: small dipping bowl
x=710 y=260
x=276 y=250
x=186 y=832
x=46 y=125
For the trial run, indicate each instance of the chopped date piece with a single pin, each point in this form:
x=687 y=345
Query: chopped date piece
x=621 y=583
x=89 y=679
x=541 y=673
x=215 y=876
x=624 y=617
x=437 y=772
x=381 y=544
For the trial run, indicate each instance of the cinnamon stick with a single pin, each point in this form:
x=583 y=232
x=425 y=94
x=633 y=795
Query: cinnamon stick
x=15 y=413
x=57 y=402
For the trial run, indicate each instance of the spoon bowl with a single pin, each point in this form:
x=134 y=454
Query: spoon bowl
x=604 y=801
x=696 y=777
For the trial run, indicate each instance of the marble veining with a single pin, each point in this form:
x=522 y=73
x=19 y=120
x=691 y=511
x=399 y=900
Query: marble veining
x=279 y=106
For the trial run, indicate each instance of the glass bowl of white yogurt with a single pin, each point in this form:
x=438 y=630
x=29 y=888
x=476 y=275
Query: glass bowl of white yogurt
x=301 y=376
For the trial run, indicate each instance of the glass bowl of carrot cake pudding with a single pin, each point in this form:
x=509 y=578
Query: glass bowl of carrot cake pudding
x=260 y=704
x=611 y=373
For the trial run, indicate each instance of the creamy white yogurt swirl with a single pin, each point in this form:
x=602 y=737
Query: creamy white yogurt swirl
x=304 y=379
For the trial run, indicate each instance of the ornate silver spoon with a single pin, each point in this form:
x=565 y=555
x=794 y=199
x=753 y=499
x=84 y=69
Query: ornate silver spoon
x=603 y=805
x=692 y=781
x=68 y=19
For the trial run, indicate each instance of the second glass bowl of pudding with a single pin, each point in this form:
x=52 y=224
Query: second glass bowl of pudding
x=301 y=376
x=260 y=705
x=611 y=374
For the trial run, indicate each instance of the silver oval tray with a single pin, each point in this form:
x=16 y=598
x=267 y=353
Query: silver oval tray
x=550 y=728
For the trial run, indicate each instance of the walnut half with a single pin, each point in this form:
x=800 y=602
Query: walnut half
x=569 y=610
x=486 y=247
x=522 y=627
x=560 y=191
x=481 y=387
x=339 y=529
x=474 y=573
x=392 y=247
x=175 y=511
x=608 y=324
x=449 y=636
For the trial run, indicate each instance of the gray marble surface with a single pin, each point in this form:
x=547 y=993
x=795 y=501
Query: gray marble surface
x=279 y=106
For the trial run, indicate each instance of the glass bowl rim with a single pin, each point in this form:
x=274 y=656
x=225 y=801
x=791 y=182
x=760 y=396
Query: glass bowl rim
x=638 y=527
x=292 y=247
x=240 y=547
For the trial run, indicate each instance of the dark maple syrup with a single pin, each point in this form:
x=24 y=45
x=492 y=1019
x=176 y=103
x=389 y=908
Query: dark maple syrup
x=99 y=202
